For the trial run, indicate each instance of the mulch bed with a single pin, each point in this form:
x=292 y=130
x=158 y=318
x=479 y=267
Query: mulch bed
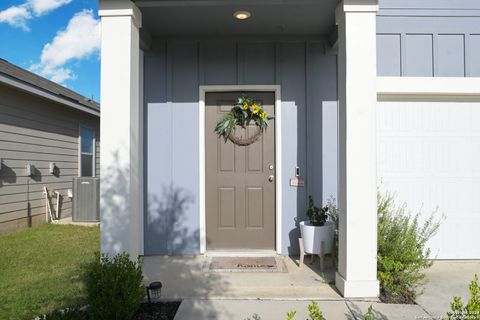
x=388 y=298
x=147 y=311
x=157 y=311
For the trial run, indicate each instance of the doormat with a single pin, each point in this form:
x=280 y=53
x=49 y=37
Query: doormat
x=244 y=264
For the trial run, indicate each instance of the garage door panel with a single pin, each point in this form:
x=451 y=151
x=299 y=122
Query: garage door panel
x=442 y=158
x=458 y=233
x=436 y=193
x=460 y=236
x=431 y=118
x=429 y=156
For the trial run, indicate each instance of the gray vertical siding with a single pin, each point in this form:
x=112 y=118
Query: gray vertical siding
x=36 y=131
x=429 y=38
x=173 y=72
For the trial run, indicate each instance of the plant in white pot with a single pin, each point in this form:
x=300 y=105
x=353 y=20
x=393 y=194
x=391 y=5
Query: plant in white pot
x=318 y=231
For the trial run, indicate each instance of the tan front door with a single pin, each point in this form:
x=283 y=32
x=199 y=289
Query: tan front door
x=240 y=180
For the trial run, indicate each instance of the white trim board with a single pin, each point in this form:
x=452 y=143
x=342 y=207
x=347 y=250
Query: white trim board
x=428 y=89
x=278 y=159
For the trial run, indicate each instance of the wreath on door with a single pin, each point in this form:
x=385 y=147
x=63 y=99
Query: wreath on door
x=245 y=111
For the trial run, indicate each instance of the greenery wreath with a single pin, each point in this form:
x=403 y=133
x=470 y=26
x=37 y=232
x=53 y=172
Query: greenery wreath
x=245 y=111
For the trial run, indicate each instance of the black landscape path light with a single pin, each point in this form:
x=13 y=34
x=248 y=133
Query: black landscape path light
x=155 y=289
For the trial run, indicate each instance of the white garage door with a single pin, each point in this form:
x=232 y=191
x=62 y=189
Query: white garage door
x=429 y=155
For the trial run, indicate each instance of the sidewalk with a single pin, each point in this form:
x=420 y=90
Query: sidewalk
x=277 y=309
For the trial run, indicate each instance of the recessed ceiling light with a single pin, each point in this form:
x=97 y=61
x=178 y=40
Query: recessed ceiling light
x=242 y=15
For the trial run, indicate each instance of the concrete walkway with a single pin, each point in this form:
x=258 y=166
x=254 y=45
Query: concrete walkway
x=269 y=296
x=276 y=310
x=68 y=220
x=446 y=279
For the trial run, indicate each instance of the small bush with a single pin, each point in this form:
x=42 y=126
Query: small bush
x=67 y=314
x=114 y=287
x=314 y=312
x=369 y=315
x=291 y=314
x=402 y=252
x=333 y=216
x=472 y=309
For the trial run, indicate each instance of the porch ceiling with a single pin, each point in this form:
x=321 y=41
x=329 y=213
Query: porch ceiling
x=215 y=17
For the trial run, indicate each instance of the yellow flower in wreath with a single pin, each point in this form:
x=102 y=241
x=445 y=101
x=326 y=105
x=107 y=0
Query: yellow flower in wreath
x=264 y=115
x=245 y=106
x=255 y=108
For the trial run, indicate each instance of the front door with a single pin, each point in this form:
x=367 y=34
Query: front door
x=240 y=180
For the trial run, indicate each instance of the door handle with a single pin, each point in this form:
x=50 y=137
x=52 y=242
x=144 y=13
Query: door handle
x=270 y=178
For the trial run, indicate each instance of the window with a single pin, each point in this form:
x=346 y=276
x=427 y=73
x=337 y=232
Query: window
x=87 y=152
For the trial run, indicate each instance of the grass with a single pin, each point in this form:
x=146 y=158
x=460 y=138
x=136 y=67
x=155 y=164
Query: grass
x=39 y=269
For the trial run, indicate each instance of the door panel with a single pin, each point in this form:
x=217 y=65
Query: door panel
x=240 y=199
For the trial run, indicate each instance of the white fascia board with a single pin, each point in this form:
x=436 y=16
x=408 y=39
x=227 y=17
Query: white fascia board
x=47 y=95
x=109 y=8
x=352 y=6
x=216 y=3
x=389 y=88
x=360 y=5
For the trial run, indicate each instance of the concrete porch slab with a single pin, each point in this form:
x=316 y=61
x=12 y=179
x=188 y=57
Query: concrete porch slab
x=185 y=278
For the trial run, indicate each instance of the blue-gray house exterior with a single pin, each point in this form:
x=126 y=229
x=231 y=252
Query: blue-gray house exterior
x=175 y=95
x=414 y=38
x=366 y=90
x=428 y=38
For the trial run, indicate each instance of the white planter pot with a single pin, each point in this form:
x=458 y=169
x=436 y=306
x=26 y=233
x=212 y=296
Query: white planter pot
x=313 y=236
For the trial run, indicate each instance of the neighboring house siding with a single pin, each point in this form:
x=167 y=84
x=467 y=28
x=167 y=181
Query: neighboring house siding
x=173 y=73
x=429 y=38
x=36 y=131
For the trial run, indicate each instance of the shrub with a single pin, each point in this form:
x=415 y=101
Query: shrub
x=369 y=315
x=402 y=252
x=472 y=309
x=114 y=287
x=291 y=314
x=314 y=312
x=67 y=314
x=333 y=216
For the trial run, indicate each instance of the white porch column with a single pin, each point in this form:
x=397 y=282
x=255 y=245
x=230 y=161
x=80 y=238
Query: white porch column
x=357 y=270
x=121 y=186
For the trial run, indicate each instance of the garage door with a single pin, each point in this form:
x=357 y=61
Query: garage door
x=429 y=155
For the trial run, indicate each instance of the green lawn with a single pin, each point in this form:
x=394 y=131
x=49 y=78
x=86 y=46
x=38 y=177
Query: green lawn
x=39 y=268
